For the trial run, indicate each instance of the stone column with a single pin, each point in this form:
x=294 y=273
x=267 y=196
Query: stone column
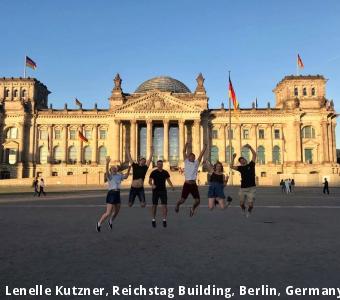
x=181 y=139
x=50 y=144
x=116 y=142
x=330 y=142
x=269 y=148
x=222 y=155
x=148 y=137
x=80 y=146
x=21 y=130
x=94 y=158
x=334 y=142
x=324 y=143
x=297 y=126
x=196 y=140
x=31 y=144
x=133 y=142
x=65 y=153
x=166 y=140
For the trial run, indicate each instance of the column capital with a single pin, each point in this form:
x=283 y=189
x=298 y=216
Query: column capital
x=133 y=121
x=197 y=122
x=117 y=122
x=166 y=121
x=148 y=121
x=180 y=121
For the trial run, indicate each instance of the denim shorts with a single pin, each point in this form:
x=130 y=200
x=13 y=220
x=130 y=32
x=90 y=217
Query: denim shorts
x=216 y=190
x=136 y=192
x=113 y=197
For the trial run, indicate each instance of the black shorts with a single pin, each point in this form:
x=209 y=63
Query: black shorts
x=190 y=188
x=113 y=197
x=159 y=195
x=136 y=192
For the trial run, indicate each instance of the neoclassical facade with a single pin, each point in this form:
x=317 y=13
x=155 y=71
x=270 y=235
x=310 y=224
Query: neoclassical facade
x=296 y=136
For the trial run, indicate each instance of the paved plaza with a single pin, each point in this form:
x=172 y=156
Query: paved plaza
x=289 y=240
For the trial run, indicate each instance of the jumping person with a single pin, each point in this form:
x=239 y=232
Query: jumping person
x=217 y=182
x=157 y=180
x=137 y=185
x=248 y=184
x=190 y=173
x=114 y=180
x=325 y=187
x=42 y=187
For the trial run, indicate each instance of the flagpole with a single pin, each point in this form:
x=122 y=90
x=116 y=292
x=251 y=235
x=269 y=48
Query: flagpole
x=25 y=67
x=229 y=136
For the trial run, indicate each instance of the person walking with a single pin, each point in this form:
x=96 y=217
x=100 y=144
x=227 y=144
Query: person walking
x=36 y=186
x=190 y=174
x=139 y=171
x=292 y=185
x=287 y=189
x=42 y=187
x=325 y=187
x=113 y=201
x=248 y=183
x=217 y=183
x=282 y=184
x=157 y=180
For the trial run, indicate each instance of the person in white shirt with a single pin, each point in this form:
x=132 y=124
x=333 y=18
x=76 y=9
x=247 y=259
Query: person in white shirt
x=190 y=173
x=42 y=187
x=114 y=180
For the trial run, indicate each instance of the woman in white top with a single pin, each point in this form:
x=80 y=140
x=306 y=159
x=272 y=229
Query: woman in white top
x=114 y=180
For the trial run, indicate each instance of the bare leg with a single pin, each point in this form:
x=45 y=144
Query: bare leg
x=106 y=214
x=179 y=203
x=114 y=213
x=164 y=211
x=195 y=206
x=211 y=203
x=221 y=202
x=154 y=211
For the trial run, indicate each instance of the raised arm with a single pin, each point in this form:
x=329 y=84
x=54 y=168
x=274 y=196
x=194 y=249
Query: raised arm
x=209 y=166
x=185 y=149
x=253 y=152
x=226 y=178
x=232 y=162
x=128 y=154
x=127 y=173
x=202 y=153
x=150 y=157
x=107 y=173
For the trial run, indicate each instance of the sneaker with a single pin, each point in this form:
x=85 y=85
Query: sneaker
x=97 y=227
x=109 y=222
x=164 y=223
x=154 y=223
x=229 y=199
x=243 y=211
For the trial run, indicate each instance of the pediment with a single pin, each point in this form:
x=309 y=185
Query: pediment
x=159 y=102
x=10 y=144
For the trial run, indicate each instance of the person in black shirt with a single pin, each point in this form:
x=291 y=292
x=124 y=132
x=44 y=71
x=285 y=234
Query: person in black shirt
x=248 y=184
x=157 y=180
x=325 y=187
x=137 y=185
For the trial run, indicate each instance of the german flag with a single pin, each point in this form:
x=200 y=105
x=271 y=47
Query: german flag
x=82 y=137
x=299 y=62
x=30 y=63
x=232 y=95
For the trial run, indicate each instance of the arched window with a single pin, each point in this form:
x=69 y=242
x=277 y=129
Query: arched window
x=308 y=132
x=227 y=153
x=6 y=93
x=214 y=154
x=304 y=91
x=57 y=154
x=313 y=91
x=261 y=155
x=87 y=154
x=276 y=155
x=102 y=155
x=43 y=153
x=15 y=93
x=12 y=133
x=72 y=154
x=245 y=152
x=23 y=93
x=12 y=156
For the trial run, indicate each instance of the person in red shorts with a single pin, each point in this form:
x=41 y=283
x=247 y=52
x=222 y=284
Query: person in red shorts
x=190 y=173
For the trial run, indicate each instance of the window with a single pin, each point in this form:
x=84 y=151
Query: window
x=304 y=91
x=313 y=91
x=15 y=93
x=73 y=134
x=12 y=156
x=215 y=134
x=6 y=93
x=12 y=133
x=296 y=92
x=309 y=156
x=57 y=154
x=261 y=134
x=230 y=134
x=276 y=134
x=246 y=134
x=23 y=93
x=43 y=134
x=214 y=154
x=102 y=134
x=87 y=154
x=263 y=174
x=88 y=134
x=54 y=173
x=276 y=155
x=261 y=155
x=308 y=132
x=245 y=152
x=102 y=155
x=57 y=134
x=227 y=153
x=69 y=173
x=43 y=153
x=72 y=154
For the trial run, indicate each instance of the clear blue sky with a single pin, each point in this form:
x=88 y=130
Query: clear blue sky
x=80 y=45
